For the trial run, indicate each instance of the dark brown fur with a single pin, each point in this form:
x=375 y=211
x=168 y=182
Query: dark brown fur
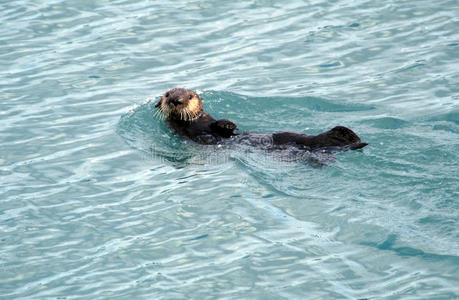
x=184 y=112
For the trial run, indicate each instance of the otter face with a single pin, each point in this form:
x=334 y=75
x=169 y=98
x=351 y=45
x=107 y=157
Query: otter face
x=180 y=104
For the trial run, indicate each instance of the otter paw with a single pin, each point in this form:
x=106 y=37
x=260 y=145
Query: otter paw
x=225 y=124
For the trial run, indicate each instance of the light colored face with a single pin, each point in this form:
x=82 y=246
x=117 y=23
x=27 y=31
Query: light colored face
x=180 y=104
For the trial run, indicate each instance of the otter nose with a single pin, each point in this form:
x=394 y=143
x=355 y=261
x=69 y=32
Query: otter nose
x=175 y=101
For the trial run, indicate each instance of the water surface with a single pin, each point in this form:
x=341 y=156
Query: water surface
x=99 y=200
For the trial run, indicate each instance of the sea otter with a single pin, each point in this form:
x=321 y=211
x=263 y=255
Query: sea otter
x=184 y=112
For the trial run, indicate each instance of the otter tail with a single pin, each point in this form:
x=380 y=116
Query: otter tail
x=339 y=137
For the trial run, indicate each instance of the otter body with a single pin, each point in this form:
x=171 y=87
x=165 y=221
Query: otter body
x=204 y=129
x=184 y=112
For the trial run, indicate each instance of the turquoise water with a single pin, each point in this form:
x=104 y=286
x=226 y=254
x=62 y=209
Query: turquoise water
x=99 y=200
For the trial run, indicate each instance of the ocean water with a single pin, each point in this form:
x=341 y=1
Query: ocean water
x=100 y=200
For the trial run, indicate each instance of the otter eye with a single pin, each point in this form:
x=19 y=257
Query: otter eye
x=167 y=95
x=190 y=96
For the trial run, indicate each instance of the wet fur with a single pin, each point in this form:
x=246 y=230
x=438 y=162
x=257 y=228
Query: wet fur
x=183 y=111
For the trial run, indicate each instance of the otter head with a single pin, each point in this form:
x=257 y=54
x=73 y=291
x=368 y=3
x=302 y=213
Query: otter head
x=180 y=104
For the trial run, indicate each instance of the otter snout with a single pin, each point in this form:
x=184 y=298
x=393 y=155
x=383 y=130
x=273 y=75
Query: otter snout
x=175 y=101
x=175 y=97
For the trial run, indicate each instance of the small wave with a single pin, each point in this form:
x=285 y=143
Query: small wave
x=143 y=130
x=386 y=123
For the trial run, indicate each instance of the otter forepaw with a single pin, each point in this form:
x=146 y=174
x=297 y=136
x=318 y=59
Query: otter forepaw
x=225 y=124
x=224 y=127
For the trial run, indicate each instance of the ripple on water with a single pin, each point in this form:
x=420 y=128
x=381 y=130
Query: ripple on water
x=99 y=202
x=386 y=123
